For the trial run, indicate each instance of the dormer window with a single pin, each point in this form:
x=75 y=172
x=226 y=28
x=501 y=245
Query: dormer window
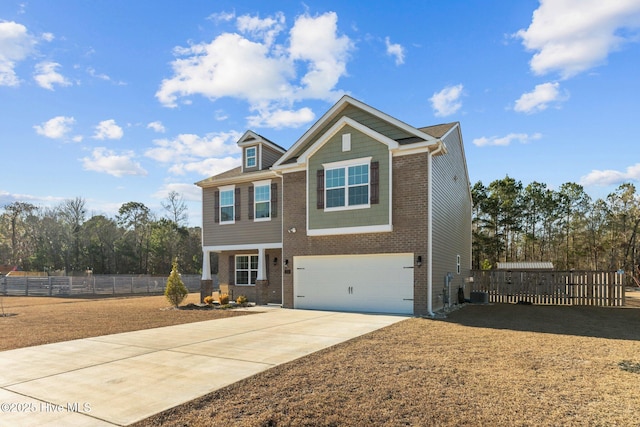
x=251 y=157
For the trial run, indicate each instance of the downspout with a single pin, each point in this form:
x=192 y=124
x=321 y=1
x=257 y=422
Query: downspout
x=429 y=238
x=441 y=149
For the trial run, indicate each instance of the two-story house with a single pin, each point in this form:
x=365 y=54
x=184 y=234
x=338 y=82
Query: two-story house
x=362 y=213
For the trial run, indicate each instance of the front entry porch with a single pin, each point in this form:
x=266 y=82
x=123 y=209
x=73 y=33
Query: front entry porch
x=253 y=272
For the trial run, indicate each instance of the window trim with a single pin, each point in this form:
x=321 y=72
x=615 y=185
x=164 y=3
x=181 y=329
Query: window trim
x=256 y=184
x=248 y=270
x=232 y=189
x=346 y=164
x=254 y=157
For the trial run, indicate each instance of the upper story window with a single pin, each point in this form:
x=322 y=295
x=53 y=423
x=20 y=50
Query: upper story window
x=262 y=201
x=227 y=205
x=347 y=185
x=251 y=157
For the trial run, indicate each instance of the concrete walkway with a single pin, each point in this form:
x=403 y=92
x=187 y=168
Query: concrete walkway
x=123 y=378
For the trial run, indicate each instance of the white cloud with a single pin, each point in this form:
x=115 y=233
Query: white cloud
x=107 y=161
x=189 y=192
x=447 y=101
x=281 y=118
x=221 y=67
x=8 y=198
x=48 y=37
x=156 y=126
x=221 y=17
x=571 y=36
x=611 y=177
x=395 y=50
x=108 y=129
x=504 y=141
x=93 y=73
x=46 y=75
x=538 y=100
x=186 y=152
x=206 y=167
x=55 y=128
x=265 y=29
x=16 y=44
x=315 y=41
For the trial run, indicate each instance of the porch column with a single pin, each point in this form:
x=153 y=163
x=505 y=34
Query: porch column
x=206 y=265
x=262 y=266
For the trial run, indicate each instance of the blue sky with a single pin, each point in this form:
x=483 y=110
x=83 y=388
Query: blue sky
x=118 y=100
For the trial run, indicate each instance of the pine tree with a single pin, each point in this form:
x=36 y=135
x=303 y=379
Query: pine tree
x=175 y=291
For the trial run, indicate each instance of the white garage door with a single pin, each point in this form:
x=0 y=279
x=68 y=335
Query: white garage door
x=377 y=283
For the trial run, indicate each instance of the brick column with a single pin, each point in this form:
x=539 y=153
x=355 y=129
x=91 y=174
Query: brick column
x=262 y=292
x=206 y=289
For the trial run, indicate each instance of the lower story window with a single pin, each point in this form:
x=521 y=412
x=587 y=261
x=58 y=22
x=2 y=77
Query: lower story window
x=246 y=269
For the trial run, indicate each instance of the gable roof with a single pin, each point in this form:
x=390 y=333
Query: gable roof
x=416 y=139
x=299 y=150
x=235 y=176
x=250 y=138
x=438 y=131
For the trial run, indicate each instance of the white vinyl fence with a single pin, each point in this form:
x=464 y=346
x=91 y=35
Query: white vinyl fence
x=91 y=285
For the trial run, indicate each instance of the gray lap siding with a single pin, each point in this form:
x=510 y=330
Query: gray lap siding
x=245 y=230
x=451 y=222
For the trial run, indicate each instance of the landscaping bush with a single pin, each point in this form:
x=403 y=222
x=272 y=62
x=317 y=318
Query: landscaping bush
x=223 y=299
x=241 y=300
x=175 y=291
x=209 y=299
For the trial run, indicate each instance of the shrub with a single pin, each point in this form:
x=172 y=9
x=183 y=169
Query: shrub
x=241 y=300
x=223 y=299
x=175 y=291
x=209 y=299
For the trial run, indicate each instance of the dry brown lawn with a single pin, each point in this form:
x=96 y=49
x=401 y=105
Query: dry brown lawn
x=41 y=320
x=500 y=364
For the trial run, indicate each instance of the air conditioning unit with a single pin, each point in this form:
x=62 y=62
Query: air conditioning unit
x=479 y=297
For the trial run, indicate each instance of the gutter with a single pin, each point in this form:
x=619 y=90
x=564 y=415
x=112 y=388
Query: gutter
x=440 y=149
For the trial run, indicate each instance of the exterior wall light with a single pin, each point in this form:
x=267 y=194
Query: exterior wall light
x=419 y=261
x=275 y=261
x=286 y=263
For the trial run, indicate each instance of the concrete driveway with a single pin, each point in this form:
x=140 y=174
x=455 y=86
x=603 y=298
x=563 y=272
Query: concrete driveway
x=123 y=378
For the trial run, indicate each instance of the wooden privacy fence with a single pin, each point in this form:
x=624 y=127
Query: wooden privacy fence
x=596 y=288
x=91 y=285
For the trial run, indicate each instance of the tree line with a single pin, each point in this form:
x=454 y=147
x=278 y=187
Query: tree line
x=512 y=222
x=64 y=239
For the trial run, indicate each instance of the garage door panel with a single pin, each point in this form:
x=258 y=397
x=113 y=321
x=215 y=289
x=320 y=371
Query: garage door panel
x=373 y=283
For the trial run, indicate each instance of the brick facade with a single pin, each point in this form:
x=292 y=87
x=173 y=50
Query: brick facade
x=409 y=235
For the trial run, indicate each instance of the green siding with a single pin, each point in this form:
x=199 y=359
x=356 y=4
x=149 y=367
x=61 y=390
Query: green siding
x=360 y=116
x=361 y=146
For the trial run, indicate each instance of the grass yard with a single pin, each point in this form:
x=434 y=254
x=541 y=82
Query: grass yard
x=502 y=365
x=32 y=321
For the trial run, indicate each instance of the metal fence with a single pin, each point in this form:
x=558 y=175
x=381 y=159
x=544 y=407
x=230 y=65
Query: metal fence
x=597 y=288
x=91 y=285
